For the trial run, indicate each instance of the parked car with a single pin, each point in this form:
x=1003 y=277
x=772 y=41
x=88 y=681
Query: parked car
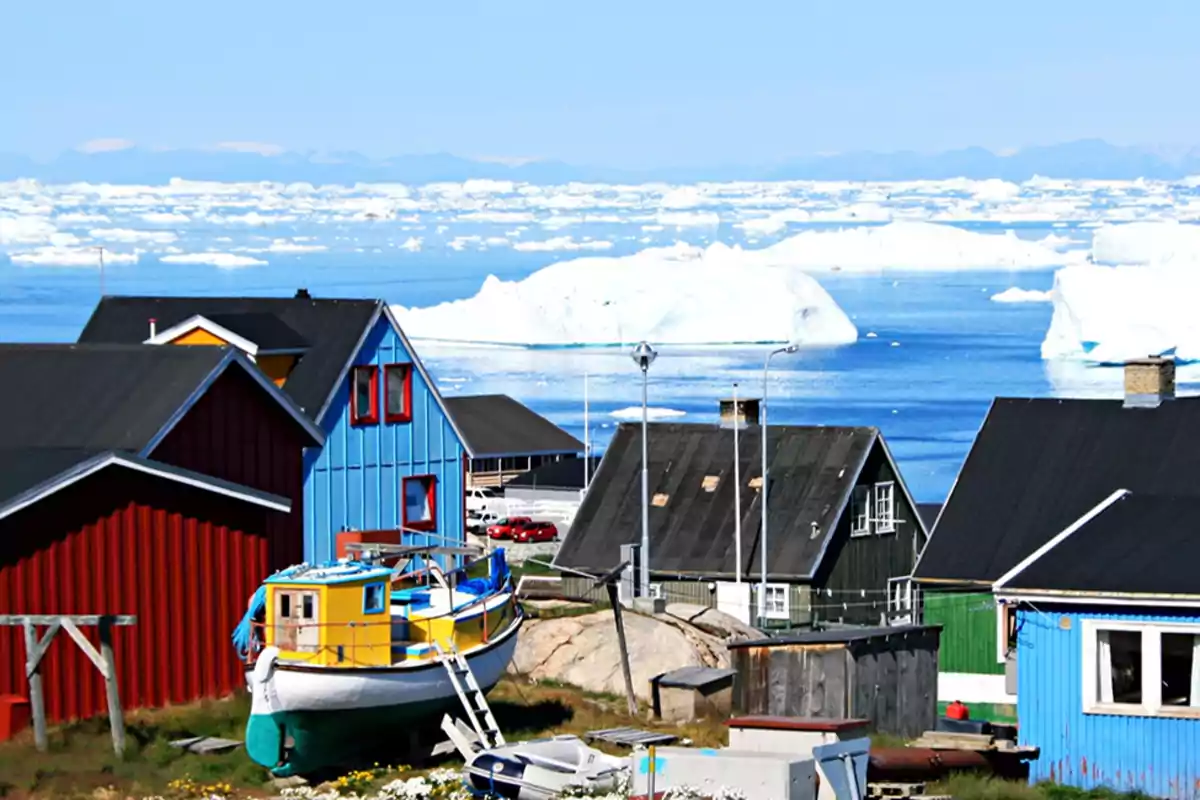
x=482 y=498
x=505 y=528
x=537 y=532
x=478 y=522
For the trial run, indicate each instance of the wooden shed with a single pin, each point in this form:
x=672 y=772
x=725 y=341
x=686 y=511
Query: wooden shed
x=885 y=675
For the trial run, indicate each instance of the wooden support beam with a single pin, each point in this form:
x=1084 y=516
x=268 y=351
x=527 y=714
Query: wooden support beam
x=116 y=716
x=79 y=619
x=37 y=704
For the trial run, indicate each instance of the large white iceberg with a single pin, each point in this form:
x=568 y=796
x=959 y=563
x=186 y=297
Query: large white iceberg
x=1111 y=314
x=910 y=246
x=1165 y=243
x=675 y=295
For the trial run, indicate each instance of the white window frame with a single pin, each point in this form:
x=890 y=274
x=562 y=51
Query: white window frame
x=860 y=510
x=885 y=524
x=1151 y=705
x=785 y=611
x=1003 y=644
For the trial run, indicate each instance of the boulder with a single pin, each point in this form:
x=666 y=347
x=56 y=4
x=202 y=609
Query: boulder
x=711 y=621
x=583 y=650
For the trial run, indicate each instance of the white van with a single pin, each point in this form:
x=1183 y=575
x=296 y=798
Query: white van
x=482 y=498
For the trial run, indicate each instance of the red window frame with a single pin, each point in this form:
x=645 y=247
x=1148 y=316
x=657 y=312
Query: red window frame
x=367 y=416
x=405 y=414
x=430 y=497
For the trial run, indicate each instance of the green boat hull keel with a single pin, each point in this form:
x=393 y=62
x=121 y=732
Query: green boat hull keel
x=303 y=742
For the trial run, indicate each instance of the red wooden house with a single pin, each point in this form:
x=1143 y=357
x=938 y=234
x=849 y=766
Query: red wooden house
x=164 y=482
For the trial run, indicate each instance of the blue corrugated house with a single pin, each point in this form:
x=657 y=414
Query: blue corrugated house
x=1107 y=631
x=393 y=456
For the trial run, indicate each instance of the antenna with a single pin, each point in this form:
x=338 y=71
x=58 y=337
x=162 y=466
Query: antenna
x=101 y=249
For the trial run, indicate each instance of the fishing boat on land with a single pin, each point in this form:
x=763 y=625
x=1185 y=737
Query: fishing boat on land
x=349 y=654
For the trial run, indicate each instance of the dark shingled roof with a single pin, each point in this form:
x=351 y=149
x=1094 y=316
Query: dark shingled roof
x=812 y=472
x=565 y=474
x=96 y=397
x=836 y=636
x=929 y=514
x=1140 y=544
x=267 y=331
x=24 y=468
x=496 y=425
x=331 y=328
x=1038 y=465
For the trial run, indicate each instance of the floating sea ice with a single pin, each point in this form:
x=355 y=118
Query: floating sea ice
x=56 y=256
x=221 y=260
x=1147 y=243
x=681 y=294
x=634 y=413
x=1015 y=294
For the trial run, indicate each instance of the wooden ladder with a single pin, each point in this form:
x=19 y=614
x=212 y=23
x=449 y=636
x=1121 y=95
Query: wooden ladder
x=479 y=713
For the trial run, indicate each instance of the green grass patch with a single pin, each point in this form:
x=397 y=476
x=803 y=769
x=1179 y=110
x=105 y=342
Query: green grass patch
x=969 y=786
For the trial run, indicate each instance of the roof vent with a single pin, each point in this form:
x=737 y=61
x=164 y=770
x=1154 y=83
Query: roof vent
x=302 y=294
x=740 y=412
x=1149 y=381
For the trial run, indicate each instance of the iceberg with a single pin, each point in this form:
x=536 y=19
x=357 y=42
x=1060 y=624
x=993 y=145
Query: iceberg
x=910 y=246
x=1166 y=243
x=1107 y=315
x=678 y=295
x=1016 y=294
x=220 y=260
x=634 y=414
x=58 y=256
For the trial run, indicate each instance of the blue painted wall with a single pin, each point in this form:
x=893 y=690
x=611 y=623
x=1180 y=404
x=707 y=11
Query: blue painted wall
x=354 y=481
x=1159 y=756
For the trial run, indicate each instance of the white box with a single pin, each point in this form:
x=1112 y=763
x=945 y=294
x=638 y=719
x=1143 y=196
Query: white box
x=761 y=776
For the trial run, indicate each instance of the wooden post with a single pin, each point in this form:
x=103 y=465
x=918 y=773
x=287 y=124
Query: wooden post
x=116 y=716
x=33 y=673
x=630 y=697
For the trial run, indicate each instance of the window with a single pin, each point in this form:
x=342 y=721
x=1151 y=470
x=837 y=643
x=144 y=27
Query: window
x=373 y=598
x=775 y=603
x=364 y=395
x=397 y=393
x=420 y=495
x=1141 y=669
x=308 y=606
x=860 y=511
x=885 y=508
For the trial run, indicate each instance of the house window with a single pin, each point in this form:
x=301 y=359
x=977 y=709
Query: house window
x=775 y=602
x=420 y=495
x=397 y=393
x=373 y=598
x=1141 y=669
x=364 y=395
x=885 y=507
x=860 y=511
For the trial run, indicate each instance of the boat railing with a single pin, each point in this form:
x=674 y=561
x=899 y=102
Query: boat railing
x=292 y=630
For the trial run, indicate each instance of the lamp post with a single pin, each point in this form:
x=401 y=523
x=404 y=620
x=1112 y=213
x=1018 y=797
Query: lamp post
x=737 y=490
x=762 y=588
x=643 y=356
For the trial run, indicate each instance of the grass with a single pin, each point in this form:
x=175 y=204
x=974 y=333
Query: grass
x=80 y=762
x=968 y=786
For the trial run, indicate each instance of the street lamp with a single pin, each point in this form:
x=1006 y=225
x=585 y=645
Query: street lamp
x=762 y=589
x=643 y=356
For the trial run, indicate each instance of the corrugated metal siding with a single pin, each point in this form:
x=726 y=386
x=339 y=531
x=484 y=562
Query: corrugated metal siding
x=182 y=560
x=354 y=481
x=968 y=623
x=1155 y=755
x=238 y=433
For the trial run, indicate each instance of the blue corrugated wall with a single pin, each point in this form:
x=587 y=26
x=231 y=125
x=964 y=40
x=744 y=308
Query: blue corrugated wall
x=354 y=481
x=1158 y=755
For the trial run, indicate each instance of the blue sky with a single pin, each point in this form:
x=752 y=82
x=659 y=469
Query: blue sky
x=622 y=83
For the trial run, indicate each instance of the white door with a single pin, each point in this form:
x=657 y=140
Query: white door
x=308 y=630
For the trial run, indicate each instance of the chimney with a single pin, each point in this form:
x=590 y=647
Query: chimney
x=302 y=294
x=153 y=327
x=1149 y=381
x=746 y=412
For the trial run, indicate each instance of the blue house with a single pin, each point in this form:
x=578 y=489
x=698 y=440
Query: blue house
x=1107 y=630
x=393 y=456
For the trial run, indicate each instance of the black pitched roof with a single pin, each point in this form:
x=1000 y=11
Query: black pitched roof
x=565 y=474
x=929 y=514
x=496 y=425
x=1038 y=465
x=836 y=636
x=27 y=473
x=332 y=330
x=812 y=472
x=1140 y=544
x=267 y=331
x=97 y=397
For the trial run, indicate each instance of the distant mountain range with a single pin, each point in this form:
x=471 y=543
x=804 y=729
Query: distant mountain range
x=1082 y=159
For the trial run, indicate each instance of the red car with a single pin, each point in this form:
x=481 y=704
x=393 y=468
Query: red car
x=536 y=532
x=506 y=527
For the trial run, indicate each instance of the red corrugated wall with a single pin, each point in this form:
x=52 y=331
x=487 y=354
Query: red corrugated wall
x=238 y=433
x=183 y=560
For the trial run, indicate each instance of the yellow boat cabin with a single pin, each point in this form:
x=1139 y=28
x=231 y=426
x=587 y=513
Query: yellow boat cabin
x=362 y=614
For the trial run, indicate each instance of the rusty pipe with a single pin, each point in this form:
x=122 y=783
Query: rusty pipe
x=926 y=764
